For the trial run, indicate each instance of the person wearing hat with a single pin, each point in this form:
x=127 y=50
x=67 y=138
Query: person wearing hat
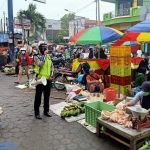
x=94 y=82
x=143 y=97
x=43 y=67
x=24 y=61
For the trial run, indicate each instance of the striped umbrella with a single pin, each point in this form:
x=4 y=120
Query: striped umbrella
x=139 y=32
x=96 y=35
x=130 y=43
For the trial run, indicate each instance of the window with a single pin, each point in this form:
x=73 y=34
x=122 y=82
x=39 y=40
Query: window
x=49 y=26
x=140 y=2
x=124 y=8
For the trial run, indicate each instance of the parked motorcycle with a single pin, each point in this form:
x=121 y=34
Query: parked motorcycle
x=58 y=62
x=63 y=77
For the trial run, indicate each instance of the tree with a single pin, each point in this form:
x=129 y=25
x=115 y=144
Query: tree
x=58 y=39
x=49 y=38
x=65 y=24
x=38 y=21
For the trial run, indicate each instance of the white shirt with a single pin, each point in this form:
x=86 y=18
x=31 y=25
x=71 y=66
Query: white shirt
x=139 y=53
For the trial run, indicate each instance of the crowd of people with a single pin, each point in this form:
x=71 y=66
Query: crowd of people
x=43 y=66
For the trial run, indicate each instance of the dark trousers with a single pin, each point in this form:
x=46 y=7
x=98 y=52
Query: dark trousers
x=37 y=102
x=17 y=69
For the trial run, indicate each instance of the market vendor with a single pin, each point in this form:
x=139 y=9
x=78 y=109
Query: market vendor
x=94 y=82
x=76 y=63
x=140 y=78
x=143 y=97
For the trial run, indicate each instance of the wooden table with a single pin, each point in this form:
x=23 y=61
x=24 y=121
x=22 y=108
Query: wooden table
x=130 y=134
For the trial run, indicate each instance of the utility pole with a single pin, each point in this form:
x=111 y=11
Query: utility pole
x=7 y=24
x=1 y=26
x=11 y=29
x=96 y=11
x=4 y=21
x=98 y=3
x=77 y=26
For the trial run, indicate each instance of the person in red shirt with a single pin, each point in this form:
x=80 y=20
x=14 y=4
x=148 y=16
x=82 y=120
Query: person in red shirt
x=94 y=82
x=24 y=62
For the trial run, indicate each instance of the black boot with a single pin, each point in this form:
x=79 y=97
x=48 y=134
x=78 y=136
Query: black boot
x=38 y=116
x=47 y=114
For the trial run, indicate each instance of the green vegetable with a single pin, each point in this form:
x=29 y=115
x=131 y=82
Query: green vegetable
x=143 y=147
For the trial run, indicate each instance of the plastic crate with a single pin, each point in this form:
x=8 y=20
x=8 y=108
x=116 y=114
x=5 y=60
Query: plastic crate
x=120 y=61
x=120 y=71
x=123 y=89
x=93 y=111
x=110 y=94
x=121 y=80
x=120 y=51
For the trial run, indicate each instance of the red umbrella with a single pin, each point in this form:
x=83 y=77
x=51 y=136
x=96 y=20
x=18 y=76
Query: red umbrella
x=75 y=37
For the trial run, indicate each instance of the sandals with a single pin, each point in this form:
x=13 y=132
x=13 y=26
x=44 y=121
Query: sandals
x=16 y=82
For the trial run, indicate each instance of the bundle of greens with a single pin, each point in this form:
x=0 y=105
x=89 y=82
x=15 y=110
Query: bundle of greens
x=9 y=71
x=73 y=110
x=146 y=146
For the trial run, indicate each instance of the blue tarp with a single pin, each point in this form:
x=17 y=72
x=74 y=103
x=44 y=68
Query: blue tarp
x=143 y=26
x=3 y=38
x=7 y=146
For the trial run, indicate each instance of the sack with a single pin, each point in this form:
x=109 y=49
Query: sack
x=71 y=88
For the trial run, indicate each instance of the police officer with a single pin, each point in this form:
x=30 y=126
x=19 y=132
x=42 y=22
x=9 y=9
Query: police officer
x=43 y=67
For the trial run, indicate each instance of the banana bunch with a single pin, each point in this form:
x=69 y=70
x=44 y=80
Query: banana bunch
x=73 y=110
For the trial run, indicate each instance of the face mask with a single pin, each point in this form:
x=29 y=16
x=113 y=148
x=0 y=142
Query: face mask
x=23 y=52
x=145 y=93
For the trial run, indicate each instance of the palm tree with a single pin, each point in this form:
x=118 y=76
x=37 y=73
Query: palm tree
x=38 y=21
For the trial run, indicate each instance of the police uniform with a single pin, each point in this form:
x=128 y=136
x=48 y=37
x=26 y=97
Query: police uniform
x=46 y=71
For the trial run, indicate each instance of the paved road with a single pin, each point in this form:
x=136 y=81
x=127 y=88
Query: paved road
x=27 y=133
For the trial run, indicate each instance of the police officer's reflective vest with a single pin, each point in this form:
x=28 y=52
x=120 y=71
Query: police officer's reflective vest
x=45 y=70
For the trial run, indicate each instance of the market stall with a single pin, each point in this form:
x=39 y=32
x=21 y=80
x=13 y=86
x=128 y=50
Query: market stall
x=127 y=136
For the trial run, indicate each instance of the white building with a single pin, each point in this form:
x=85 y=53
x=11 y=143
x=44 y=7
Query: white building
x=52 y=27
x=80 y=23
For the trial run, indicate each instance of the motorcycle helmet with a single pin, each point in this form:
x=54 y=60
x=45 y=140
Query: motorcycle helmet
x=42 y=47
x=23 y=50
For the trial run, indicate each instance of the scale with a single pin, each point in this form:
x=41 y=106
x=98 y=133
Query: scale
x=140 y=119
x=80 y=98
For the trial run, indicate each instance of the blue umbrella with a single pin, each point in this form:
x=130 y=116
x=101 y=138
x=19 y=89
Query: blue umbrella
x=143 y=26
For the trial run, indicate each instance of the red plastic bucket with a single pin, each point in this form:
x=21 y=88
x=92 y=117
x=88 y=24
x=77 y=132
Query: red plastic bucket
x=110 y=94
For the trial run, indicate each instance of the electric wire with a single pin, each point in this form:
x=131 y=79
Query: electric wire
x=74 y=6
x=3 y=4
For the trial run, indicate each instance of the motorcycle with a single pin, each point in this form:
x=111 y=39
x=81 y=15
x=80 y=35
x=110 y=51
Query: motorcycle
x=58 y=62
x=57 y=59
x=63 y=77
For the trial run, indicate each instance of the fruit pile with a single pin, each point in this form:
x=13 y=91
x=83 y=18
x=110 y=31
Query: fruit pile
x=73 y=110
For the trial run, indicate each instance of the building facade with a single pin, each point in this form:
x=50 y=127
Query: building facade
x=52 y=28
x=127 y=13
x=79 y=24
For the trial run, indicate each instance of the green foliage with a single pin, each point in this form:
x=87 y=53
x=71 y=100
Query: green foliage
x=49 y=38
x=58 y=39
x=65 y=25
x=38 y=21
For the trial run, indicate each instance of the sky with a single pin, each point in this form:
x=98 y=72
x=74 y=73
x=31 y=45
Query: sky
x=54 y=9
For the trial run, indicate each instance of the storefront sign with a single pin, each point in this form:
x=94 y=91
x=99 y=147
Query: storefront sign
x=25 y=23
x=17 y=24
